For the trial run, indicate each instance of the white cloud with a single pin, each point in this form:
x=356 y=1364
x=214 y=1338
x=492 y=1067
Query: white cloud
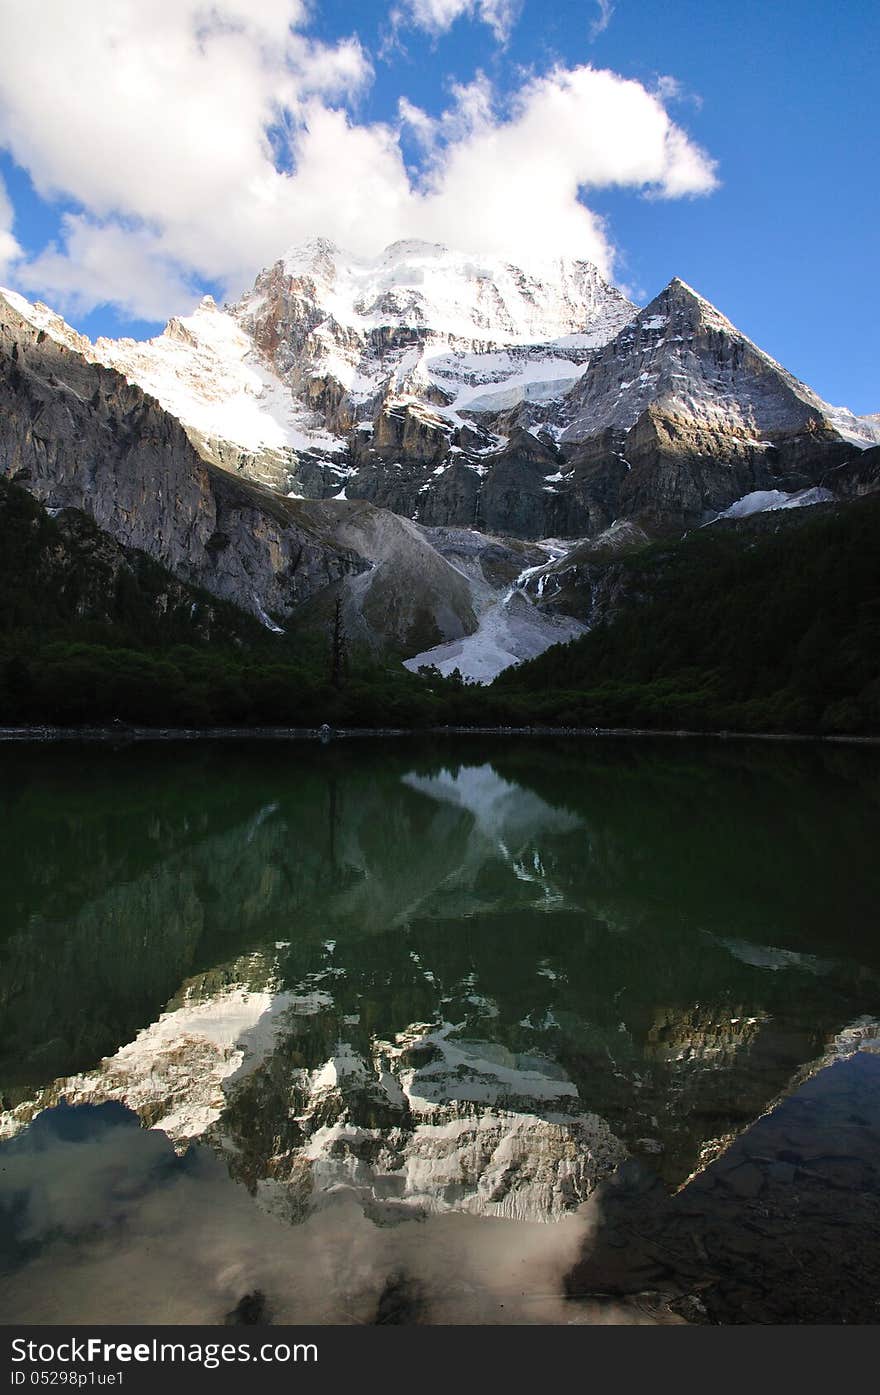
x=437 y=16
x=161 y=122
x=603 y=18
x=106 y=263
x=668 y=88
x=471 y=111
x=10 y=251
x=9 y=248
x=158 y=111
x=514 y=183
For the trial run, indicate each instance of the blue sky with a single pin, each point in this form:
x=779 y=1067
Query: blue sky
x=136 y=176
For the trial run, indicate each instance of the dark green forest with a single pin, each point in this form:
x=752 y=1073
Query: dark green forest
x=91 y=633
x=766 y=625
x=772 y=624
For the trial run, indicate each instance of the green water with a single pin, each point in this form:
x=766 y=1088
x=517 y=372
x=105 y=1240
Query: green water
x=603 y=948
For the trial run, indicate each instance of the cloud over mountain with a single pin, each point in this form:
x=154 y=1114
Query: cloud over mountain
x=191 y=143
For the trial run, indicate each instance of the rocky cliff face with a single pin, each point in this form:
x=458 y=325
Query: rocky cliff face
x=681 y=414
x=372 y=380
x=448 y=390
x=857 y=476
x=78 y=436
x=58 y=570
x=462 y=391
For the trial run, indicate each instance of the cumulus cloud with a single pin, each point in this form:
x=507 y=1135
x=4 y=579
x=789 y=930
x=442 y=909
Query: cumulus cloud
x=437 y=16
x=516 y=179
x=106 y=263
x=471 y=110
x=9 y=248
x=160 y=112
x=195 y=142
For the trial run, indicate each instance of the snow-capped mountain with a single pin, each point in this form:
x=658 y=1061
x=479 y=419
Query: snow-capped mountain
x=427 y=324
x=474 y=299
x=84 y=441
x=685 y=358
x=461 y=390
x=680 y=415
x=325 y=345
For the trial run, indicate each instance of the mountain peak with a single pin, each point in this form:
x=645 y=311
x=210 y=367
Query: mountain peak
x=412 y=246
x=316 y=254
x=677 y=286
x=680 y=306
x=428 y=289
x=680 y=293
x=679 y=357
x=44 y=319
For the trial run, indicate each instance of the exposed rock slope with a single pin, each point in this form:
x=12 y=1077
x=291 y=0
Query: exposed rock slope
x=59 y=571
x=77 y=435
x=377 y=377
x=460 y=390
x=463 y=395
x=681 y=414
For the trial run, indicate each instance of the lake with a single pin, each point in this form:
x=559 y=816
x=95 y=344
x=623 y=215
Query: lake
x=479 y=1029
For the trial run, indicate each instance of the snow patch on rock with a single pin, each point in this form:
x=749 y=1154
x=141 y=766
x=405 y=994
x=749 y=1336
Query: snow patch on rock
x=770 y=500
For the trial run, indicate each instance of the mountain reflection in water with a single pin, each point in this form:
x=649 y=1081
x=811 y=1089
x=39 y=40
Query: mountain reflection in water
x=386 y=981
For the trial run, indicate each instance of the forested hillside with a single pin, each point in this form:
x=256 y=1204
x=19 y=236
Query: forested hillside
x=769 y=624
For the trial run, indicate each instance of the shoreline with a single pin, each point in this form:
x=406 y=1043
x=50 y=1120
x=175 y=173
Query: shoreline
x=123 y=733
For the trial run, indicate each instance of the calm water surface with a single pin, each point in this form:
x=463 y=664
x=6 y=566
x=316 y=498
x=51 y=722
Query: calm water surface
x=414 y=1031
